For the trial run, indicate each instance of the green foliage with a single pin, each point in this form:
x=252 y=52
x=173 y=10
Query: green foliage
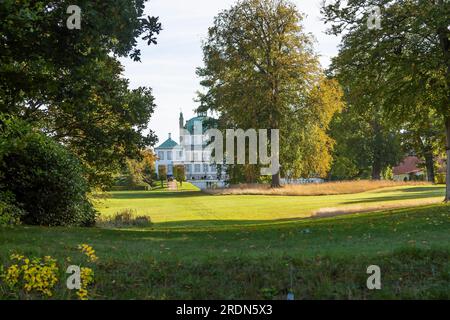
x=47 y=181
x=403 y=67
x=68 y=83
x=162 y=172
x=108 y=26
x=422 y=135
x=246 y=173
x=307 y=146
x=344 y=168
x=261 y=72
x=129 y=218
x=148 y=171
x=440 y=178
x=131 y=176
x=235 y=174
x=388 y=173
x=365 y=144
x=138 y=172
x=129 y=188
x=10 y=211
x=264 y=180
x=179 y=173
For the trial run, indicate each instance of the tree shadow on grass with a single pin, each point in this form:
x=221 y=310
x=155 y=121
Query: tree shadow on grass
x=208 y=231
x=202 y=226
x=427 y=188
x=423 y=189
x=406 y=194
x=207 y=225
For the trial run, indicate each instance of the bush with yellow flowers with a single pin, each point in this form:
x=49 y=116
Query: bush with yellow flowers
x=33 y=275
x=25 y=277
x=88 y=251
x=87 y=274
x=87 y=278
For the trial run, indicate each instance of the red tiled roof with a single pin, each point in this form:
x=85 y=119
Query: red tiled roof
x=408 y=165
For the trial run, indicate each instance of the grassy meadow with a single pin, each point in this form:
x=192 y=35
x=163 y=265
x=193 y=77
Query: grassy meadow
x=193 y=208
x=255 y=247
x=314 y=189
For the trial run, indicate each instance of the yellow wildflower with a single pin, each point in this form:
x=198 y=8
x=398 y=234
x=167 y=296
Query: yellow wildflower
x=87 y=278
x=88 y=251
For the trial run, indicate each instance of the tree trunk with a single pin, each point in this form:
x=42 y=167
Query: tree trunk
x=445 y=44
x=429 y=163
x=376 y=169
x=447 y=181
x=276 y=181
x=377 y=150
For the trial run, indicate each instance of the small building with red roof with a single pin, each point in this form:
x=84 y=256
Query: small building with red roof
x=409 y=169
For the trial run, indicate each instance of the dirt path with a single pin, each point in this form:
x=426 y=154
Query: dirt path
x=172 y=185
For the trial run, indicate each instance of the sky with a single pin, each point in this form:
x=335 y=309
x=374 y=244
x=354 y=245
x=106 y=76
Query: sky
x=169 y=67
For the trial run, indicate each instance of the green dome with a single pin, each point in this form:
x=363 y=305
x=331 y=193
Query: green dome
x=168 y=144
x=207 y=123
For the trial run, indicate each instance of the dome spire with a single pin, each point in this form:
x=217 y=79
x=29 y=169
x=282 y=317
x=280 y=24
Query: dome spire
x=181 y=121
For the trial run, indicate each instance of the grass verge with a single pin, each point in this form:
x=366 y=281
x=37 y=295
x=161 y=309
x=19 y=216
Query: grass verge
x=327 y=258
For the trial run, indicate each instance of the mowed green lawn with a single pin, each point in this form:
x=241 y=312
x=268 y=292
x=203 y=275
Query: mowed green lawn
x=209 y=247
x=194 y=208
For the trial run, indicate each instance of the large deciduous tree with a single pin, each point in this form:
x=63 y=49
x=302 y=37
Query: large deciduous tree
x=366 y=144
x=179 y=173
x=422 y=135
x=261 y=72
x=406 y=60
x=68 y=82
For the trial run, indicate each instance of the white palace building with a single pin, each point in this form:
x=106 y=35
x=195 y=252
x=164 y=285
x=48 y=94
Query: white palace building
x=189 y=153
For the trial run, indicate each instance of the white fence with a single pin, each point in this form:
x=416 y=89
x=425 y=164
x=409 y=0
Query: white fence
x=301 y=181
x=212 y=184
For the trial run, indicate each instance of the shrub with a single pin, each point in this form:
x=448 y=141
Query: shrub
x=440 y=178
x=388 y=173
x=129 y=188
x=10 y=212
x=32 y=277
x=179 y=173
x=127 y=218
x=44 y=177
